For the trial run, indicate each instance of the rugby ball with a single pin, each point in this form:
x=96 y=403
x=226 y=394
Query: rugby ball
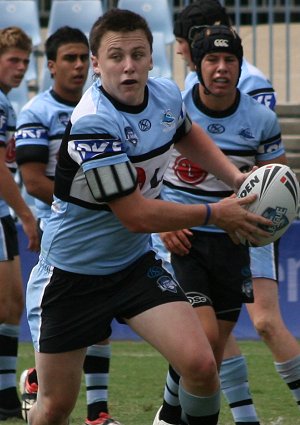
x=277 y=190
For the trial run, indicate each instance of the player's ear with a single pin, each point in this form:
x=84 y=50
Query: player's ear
x=151 y=64
x=95 y=64
x=51 y=67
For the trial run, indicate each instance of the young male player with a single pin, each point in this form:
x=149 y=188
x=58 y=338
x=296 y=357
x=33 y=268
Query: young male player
x=15 y=48
x=40 y=128
x=96 y=260
x=266 y=315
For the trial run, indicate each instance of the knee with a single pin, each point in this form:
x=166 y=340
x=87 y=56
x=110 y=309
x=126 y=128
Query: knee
x=201 y=371
x=265 y=326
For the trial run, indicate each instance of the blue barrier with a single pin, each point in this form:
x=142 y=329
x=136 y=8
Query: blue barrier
x=289 y=289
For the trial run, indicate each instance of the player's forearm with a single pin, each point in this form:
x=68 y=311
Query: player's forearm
x=9 y=191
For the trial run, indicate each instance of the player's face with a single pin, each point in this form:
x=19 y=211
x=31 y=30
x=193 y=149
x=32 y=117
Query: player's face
x=70 y=70
x=183 y=49
x=13 y=65
x=220 y=73
x=123 y=61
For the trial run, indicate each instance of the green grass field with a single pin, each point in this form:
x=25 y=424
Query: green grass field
x=137 y=380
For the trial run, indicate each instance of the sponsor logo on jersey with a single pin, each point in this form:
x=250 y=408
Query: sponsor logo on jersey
x=221 y=42
x=246 y=133
x=278 y=217
x=63 y=118
x=31 y=133
x=155 y=272
x=267 y=99
x=88 y=149
x=3 y=120
x=130 y=135
x=196 y=298
x=166 y=283
x=271 y=147
x=144 y=125
x=216 y=128
x=188 y=172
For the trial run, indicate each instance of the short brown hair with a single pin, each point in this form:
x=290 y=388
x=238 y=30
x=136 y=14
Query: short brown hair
x=118 y=20
x=14 y=37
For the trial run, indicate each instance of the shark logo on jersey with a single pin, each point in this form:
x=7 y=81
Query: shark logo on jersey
x=63 y=117
x=155 y=272
x=168 y=120
x=144 y=125
x=130 y=135
x=246 y=133
x=278 y=217
x=216 y=128
x=166 y=283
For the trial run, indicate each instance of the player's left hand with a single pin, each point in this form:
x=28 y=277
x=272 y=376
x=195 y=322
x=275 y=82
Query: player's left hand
x=241 y=177
x=177 y=242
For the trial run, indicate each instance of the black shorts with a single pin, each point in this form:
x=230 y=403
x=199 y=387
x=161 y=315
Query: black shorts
x=9 y=239
x=77 y=310
x=215 y=273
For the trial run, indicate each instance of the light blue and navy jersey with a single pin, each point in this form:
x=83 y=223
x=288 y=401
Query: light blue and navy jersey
x=40 y=127
x=7 y=140
x=104 y=137
x=247 y=132
x=252 y=81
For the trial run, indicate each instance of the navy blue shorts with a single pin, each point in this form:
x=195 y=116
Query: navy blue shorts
x=216 y=273
x=67 y=311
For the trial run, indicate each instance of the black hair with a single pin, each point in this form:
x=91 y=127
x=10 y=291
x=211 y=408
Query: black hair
x=63 y=35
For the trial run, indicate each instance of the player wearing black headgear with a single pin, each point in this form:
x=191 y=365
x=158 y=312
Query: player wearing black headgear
x=213 y=39
x=205 y=12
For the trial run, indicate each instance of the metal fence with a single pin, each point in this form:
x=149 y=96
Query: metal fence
x=270 y=30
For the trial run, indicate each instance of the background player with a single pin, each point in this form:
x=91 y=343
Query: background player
x=265 y=312
x=15 y=48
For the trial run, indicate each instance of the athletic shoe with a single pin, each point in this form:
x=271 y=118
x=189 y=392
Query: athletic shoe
x=103 y=419
x=28 y=391
x=10 y=413
x=158 y=421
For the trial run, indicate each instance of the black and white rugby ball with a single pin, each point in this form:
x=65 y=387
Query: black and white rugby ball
x=277 y=190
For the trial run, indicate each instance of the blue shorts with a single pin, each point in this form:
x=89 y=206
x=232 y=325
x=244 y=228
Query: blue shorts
x=264 y=261
x=67 y=311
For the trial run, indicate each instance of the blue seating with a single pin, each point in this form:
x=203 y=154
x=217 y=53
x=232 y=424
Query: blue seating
x=161 y=61
x=76 y=13
x=23 y=14
x=157 y=13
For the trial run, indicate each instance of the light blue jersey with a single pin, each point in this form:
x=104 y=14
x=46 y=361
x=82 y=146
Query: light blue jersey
x=7 y=140
x=246 y=133
x=252 y=81
x=40 y=127
x=82 y=234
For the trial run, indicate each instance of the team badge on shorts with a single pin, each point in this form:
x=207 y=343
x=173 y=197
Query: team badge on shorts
x=247 y=288
x=166 y=283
